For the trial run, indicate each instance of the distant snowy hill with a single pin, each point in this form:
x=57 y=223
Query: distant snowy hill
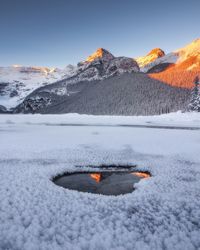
x=16 y=82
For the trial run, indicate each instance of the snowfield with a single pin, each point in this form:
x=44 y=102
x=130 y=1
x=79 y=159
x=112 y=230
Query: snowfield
x=177 y=119
x=20 y=81
x=162 y=213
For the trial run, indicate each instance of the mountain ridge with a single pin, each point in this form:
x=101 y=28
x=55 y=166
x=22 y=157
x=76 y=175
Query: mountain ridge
x=177 y=69
x=127 y=94
x=183 y=65
x=100 y=53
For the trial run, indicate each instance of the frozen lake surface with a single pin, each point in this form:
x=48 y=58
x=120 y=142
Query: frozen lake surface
x=162 y=213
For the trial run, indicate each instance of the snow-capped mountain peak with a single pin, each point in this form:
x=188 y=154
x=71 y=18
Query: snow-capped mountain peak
x=178 y=68
x=150 y=57
x=187 y=56
x=100 y=53
x=102 y=64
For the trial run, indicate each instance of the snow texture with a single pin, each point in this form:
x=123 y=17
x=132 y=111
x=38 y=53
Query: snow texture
x=163 y=212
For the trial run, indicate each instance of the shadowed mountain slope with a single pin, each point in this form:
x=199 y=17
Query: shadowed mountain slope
x=127 y=94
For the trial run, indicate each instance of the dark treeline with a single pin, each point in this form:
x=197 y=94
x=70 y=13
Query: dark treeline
x=127 y=94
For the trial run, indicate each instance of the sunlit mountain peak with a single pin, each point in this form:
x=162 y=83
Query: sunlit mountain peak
x=150 y=57
x=100 y=53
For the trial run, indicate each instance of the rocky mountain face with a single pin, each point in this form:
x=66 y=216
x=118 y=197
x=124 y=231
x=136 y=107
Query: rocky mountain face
x=100 y=53
x=17 y=82
x=102 y=64
x=97 y=67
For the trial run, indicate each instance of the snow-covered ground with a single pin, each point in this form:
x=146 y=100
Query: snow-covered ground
x=190 y=120
x=163 y=212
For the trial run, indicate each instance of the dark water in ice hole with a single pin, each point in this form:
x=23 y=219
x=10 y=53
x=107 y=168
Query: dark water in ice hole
x=106 y=183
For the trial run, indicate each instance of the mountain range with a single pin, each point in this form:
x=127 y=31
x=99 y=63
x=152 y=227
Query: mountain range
x=104 y=84
x=177 y=68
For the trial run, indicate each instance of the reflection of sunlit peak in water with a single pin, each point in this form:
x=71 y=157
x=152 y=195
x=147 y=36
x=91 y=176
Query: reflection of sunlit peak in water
x=96 y=177
x=106 y=182
x=141 y=174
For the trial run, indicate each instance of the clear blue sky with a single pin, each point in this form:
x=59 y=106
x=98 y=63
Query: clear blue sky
x=59 y=32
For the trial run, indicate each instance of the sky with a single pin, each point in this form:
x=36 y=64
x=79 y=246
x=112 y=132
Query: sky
x=55 y=33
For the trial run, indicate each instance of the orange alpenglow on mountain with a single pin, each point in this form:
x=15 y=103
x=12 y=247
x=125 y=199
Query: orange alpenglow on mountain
x=98 y=54
x=150 y=57
x=141 y=174
x=95 y=55
x=96 y=177
x=183 y=70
